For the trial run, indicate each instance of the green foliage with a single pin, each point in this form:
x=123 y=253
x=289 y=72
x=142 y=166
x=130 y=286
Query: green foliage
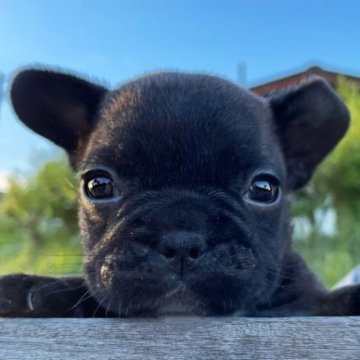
x=38 y=222
x=336 y=186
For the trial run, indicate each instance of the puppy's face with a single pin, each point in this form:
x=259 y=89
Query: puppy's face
x=182 y=204
x=183 y=183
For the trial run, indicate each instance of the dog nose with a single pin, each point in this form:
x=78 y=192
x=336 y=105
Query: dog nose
x=181 y=249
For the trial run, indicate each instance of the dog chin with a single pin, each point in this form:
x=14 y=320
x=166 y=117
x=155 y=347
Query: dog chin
x=177 y=302
x=180 y=302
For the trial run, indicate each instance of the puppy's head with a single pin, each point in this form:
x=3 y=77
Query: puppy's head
x=183 y=182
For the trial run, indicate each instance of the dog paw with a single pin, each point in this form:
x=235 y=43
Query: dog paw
x=354 y=300
x=36 y=296
x=344 y=301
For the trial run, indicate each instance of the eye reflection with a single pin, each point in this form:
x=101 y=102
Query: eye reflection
x=100 y=187
x=264 y=189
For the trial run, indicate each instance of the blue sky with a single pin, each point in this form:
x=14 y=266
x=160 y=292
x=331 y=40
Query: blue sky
x=113 y=41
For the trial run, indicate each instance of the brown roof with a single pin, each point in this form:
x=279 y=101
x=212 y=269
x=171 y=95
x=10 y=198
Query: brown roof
x=279 y=83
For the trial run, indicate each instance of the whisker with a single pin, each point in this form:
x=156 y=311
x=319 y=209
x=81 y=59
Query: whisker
x=63 y=290
x=99 y=306
x=42 y=287
x=87 y=295
x=109 y=305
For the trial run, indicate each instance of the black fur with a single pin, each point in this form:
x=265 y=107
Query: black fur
x=182 y=235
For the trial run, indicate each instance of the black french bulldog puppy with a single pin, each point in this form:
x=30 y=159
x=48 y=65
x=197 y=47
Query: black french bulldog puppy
x=183 y=198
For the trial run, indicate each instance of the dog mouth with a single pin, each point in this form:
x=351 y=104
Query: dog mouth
x=171 y=297
x=144 y=287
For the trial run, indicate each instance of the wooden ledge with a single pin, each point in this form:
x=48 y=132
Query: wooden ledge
x=181 y=338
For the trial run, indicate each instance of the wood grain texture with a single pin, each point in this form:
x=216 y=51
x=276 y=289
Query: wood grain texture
x=181 y=338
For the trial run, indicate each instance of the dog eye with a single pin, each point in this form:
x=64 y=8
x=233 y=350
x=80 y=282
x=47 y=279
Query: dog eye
x=99 y=187
x=264 y=189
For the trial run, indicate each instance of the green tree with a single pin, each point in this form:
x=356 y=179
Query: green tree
x=335 y=189
x=38 y=218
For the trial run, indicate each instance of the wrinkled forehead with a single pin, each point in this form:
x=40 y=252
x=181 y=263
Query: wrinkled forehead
x=171 y=128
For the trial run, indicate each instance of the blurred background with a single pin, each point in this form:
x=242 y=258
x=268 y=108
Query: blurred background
x=258 y=44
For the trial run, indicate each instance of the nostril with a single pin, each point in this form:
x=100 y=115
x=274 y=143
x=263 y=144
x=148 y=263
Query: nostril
x=194 y=252
x=181 y=245
x=168 y=252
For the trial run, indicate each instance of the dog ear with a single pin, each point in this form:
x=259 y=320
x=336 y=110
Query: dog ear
x=310 y=119
x=57 y=106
